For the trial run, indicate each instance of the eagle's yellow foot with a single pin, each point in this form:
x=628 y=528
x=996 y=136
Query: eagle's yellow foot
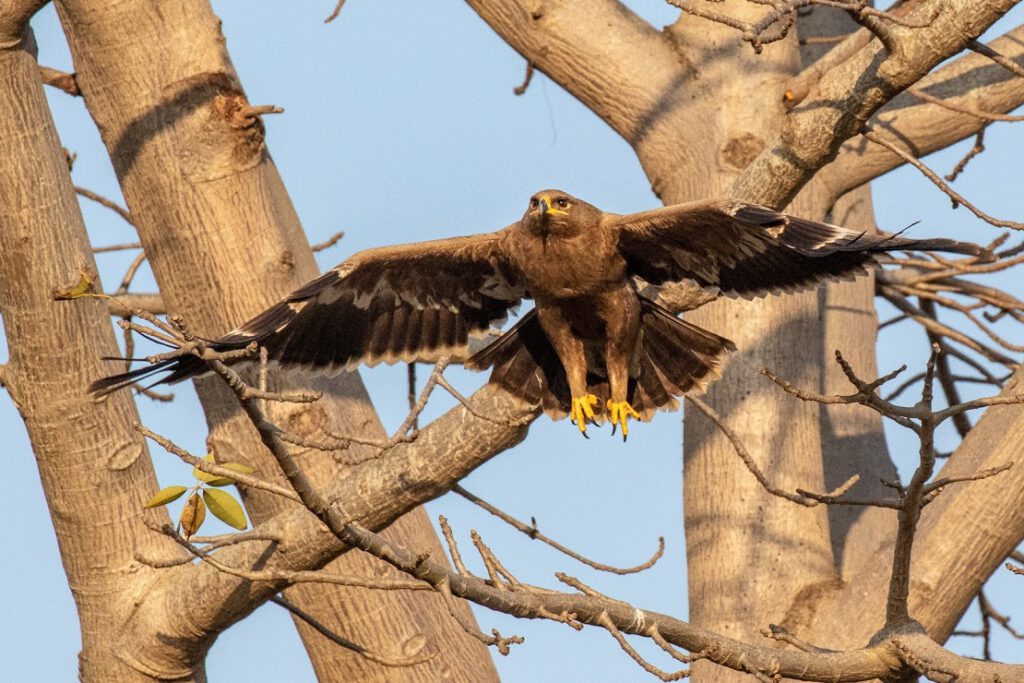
x=619 y=413
x=583 y=410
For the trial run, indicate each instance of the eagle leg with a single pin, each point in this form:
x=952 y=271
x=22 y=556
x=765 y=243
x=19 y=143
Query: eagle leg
x=619 y=413
x=583 y=410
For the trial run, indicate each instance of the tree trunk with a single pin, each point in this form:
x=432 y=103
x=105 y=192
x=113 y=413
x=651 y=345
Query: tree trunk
x=95 y=468
x=203 y=191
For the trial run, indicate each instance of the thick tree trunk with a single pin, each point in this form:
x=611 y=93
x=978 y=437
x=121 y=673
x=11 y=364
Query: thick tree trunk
x=224 y=242
x=752 y=559
x=95 y=469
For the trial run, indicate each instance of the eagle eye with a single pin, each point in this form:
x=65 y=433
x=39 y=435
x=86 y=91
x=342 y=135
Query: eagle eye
x=534 y=203
x=562 y=203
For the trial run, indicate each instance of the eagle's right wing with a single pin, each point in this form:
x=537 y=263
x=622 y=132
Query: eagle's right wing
x=413 y=302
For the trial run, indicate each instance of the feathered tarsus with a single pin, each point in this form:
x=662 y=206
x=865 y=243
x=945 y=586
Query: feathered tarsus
x=592 y=347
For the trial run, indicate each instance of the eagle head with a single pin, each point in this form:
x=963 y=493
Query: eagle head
x=558 y=213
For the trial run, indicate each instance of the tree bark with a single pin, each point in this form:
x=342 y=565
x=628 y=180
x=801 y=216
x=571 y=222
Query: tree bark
x=95 y=469
x=203 y=191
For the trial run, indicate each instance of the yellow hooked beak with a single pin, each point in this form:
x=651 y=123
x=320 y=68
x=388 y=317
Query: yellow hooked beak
x=546 y=208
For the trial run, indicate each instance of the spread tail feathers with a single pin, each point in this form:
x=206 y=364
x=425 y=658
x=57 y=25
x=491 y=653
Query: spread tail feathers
x=178 y=369
x=674 y=358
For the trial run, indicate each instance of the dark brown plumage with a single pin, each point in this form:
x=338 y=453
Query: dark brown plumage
x=592 y=347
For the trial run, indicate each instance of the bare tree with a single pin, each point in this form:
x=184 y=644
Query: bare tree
x=812 y=100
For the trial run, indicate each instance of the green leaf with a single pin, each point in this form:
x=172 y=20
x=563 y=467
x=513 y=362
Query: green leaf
x=165 y=496
x=193 y=515
x=225 y=508
x=227 y=481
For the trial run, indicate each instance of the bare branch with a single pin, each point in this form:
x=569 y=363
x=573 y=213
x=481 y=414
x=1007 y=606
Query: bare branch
x=214 y=468
x=521 y=88
x=319 y=627
x=942 y=482
x=453 y=547
x=780 y=634
x=534 y=533
x=975 y=150
x=900 y=302
x=970 y=82
x=282 y=578
x=848 y=95
x=997 y=57
x=61 y=80
x=334 y=14
x=329 y=242
x=932 y=176
x=604 y=621
x=866 y=394
x=801 y=497
x=103 y=201
x=123 y=305
x=117 y=247
x=962 y=108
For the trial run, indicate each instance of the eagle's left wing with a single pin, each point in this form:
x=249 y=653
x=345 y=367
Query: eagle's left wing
x=411 y=302
x=750 y=250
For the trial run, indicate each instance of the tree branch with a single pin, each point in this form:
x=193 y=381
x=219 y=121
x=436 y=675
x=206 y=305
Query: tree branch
x=850 y=94
x=971 y=82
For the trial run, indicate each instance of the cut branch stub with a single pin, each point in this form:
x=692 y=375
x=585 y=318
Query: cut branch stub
x=220 y=133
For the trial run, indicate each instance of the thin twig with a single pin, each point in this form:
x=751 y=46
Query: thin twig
x=329 y=242
x=336 y=12
x=779 y=633
x=319 y=627
x=604 y=621
x=534 y=533
x=521 y=88
x=932 y=176
x=1000 y=59
x=213 y=468
x=117 y=247
x=453 y=547
x=103 y=201
x=978 y=148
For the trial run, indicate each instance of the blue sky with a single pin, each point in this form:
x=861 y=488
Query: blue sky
x=414 y=100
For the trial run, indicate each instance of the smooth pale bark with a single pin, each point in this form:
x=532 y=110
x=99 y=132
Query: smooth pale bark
x=224 y=242
x=95 y=469
x=732 y=524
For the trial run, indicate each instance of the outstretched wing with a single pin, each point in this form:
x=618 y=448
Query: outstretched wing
x=404 y=303
x=750 y=250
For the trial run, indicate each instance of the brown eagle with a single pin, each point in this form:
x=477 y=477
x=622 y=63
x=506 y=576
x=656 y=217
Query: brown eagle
x=592 y=347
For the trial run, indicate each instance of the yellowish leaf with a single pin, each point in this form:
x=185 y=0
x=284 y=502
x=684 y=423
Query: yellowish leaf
x=165 y=496
x=224 y=506
x=203 y=476
x=84 y=287
x=227 y=481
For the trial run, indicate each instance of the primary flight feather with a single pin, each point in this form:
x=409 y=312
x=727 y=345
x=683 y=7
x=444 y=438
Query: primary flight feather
x=592 y=347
